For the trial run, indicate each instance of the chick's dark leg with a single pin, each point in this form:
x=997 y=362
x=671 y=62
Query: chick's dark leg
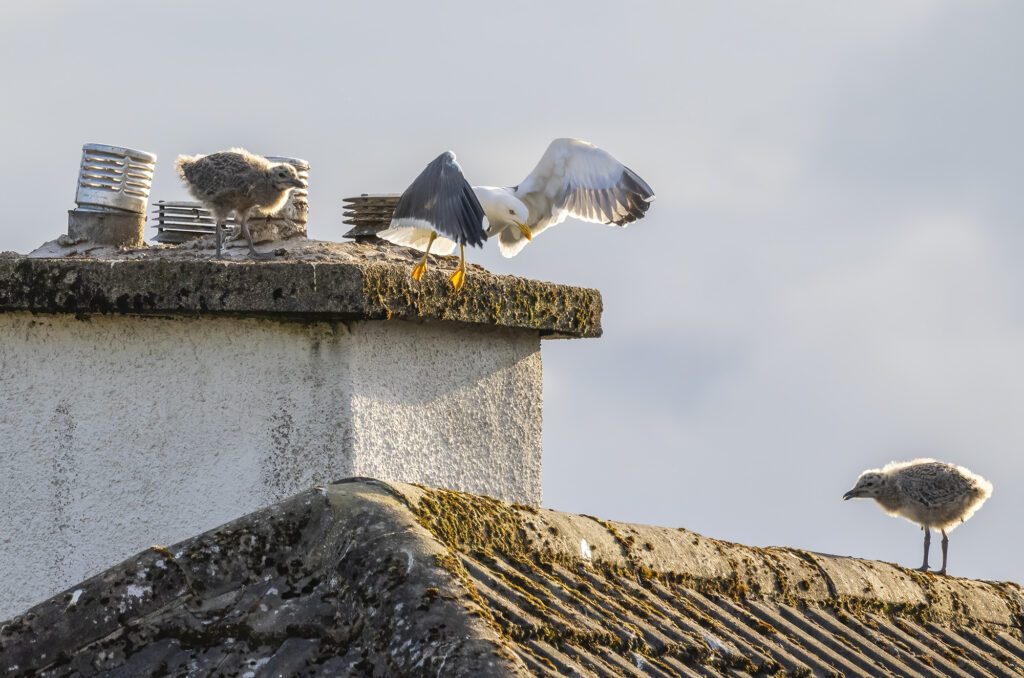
x=262 y=256
x=218 y=236
x=945 y=545
x=927 y=543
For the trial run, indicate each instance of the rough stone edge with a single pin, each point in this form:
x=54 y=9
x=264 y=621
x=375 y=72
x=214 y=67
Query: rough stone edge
x=368 y=290
x=378 y=526
x=784 y=575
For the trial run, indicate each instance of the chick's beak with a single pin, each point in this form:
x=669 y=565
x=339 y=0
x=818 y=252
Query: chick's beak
x=852 y=494
x=525 y=230
x=297 y=183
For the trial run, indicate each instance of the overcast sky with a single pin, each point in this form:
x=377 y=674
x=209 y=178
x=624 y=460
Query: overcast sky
x=827 y=281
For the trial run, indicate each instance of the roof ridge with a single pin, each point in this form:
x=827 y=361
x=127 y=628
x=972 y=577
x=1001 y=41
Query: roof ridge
x=366 y=575
x=479 y=524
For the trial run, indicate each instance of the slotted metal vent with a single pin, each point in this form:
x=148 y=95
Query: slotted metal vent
x=177 y=222
x=114 y=178
x=369 y=214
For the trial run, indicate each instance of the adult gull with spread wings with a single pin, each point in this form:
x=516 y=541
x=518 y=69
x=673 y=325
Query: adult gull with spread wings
x=573 y=179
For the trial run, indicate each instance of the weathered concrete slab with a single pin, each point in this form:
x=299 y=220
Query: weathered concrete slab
x=370 y=578
x=308 y=279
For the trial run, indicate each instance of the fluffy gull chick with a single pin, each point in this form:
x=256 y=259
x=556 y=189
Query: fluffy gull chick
x=927 y=492
x=237 y=181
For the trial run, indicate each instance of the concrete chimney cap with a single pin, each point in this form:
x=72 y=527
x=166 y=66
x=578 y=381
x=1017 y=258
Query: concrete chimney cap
x=311 y=280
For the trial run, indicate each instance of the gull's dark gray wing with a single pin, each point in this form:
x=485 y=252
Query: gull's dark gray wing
x=441 y=199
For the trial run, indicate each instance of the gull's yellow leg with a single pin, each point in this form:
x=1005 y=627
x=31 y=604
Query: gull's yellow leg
x=421 y=268
x=459 y=276
x=525 y=230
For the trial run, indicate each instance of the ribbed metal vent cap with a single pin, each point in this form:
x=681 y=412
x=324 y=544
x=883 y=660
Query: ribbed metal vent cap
x=369 y=214
x=114 y=178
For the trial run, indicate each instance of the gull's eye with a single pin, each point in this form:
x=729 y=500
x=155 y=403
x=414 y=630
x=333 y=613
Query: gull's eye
x=511 y=211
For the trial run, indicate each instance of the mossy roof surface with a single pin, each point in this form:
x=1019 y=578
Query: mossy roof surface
x=306 y=280
x=369 y=578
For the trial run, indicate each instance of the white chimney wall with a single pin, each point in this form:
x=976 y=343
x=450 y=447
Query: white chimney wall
x=145 y=401
x=121 y=432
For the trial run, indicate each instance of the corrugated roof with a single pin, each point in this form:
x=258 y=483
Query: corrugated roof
x=658 y=601
x=371 y=578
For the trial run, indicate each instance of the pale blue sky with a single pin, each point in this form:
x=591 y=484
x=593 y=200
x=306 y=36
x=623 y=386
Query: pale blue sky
x=828 y=279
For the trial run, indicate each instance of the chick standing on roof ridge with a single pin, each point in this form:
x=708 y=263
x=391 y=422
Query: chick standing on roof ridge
x=930 y=493
x=237 y=181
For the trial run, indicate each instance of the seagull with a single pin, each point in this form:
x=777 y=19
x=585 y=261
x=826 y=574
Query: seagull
x=574 y=178
x=237 y=181
x=930 y=493
x=438 y=210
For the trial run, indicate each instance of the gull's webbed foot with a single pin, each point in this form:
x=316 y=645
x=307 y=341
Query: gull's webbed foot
x=418 y=270
x=457 y=278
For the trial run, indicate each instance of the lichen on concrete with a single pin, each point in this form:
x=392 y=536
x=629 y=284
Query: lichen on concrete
x=307 y=279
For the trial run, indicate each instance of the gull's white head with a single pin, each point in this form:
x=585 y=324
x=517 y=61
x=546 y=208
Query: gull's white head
x=502 y=208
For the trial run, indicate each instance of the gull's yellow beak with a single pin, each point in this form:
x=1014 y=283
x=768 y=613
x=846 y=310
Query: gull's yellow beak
x=525 y=230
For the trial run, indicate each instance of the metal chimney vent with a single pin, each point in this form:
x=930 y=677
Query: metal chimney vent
x=369 y=214
x=178 y=221
x=114 y=178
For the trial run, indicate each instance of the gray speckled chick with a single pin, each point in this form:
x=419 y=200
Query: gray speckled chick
x=927 y=492
x=237 y=181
